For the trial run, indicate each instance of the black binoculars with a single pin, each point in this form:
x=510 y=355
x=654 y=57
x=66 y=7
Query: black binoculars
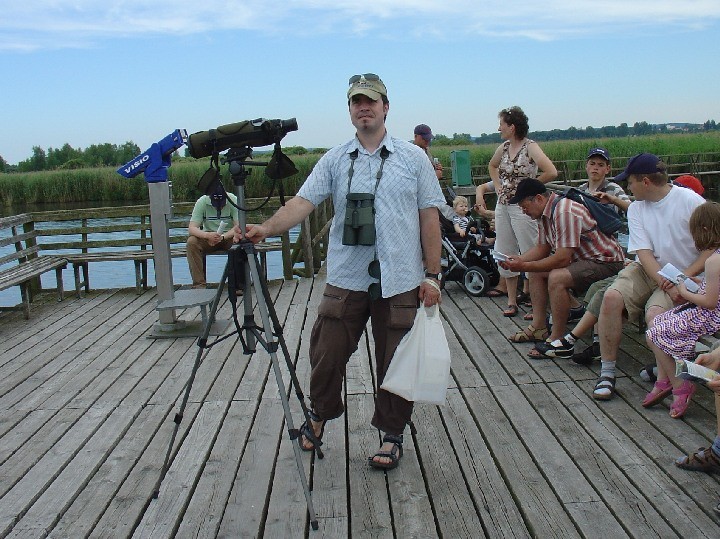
x=359 y=228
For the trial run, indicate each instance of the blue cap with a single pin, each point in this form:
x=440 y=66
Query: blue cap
x=602 y=152
x=642 y=163
x=424 y=131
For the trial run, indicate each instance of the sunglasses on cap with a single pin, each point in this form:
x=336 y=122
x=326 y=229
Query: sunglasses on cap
x=366 y=76
x=375 y=289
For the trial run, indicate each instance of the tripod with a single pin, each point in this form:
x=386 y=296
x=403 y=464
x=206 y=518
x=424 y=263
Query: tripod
x=241 y=273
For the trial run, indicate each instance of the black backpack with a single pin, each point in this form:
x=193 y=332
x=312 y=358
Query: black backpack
x=605 y=215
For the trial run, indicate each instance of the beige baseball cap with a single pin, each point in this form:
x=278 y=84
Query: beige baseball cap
x=368 y=84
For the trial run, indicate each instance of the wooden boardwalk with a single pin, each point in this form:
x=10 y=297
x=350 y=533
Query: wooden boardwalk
x=520 y=449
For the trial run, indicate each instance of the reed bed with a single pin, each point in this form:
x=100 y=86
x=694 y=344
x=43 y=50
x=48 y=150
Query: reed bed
x=106 y=185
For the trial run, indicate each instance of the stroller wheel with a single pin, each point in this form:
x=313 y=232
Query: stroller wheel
x=476 y=281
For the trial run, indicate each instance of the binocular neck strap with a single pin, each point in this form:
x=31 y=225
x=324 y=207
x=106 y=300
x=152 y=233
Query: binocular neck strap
x=384 y=154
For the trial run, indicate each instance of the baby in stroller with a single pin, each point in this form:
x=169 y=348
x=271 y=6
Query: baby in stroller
x=467 y=256
x=462 y=224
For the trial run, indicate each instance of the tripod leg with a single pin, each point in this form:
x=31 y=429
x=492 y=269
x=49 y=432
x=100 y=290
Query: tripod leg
x=294 y=382
x=202 y=340
x=264 y=307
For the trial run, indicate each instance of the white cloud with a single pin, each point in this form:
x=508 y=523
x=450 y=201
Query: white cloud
x=63 y=23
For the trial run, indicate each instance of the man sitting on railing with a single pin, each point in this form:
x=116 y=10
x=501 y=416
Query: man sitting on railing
x=210 y=230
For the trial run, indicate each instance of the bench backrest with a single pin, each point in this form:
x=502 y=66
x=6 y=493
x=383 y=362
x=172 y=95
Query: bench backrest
x=18 y=240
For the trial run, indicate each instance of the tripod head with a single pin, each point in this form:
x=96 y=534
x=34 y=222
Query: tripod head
x=236 y=159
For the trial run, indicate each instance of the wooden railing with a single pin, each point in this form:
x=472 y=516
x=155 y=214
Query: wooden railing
x=705 y=166
x=84 y=231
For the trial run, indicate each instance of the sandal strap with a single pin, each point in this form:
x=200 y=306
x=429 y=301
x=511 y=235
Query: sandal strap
x=687 y=388
x=605 y=382
x=393 y=439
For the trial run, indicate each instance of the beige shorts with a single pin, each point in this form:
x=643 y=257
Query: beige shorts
x=515 y=233
x=639 y=291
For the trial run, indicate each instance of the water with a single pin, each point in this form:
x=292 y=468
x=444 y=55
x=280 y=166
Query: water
x=122 y=274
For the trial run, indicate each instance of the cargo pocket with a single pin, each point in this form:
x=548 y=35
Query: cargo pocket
x=403 y=309
x=333 y=302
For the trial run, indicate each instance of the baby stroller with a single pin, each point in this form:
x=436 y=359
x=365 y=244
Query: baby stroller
x=462 y=260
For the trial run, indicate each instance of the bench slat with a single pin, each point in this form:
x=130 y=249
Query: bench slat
x=19 y=255
x=28 y=270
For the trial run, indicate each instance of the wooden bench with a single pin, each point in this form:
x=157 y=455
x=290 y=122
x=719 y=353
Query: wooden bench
x=23 y=266
x=118 y=234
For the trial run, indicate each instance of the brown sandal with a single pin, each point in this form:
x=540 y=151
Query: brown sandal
x=529 y=334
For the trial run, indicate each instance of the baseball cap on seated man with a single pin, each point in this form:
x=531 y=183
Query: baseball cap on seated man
x=529 y=187
x=424 y=131
x=642 y=163
x=602 y=152
x=368 y=84
x=691 y=182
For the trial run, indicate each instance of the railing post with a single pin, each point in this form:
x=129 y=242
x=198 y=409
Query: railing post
x=306 y=242
x=36 y=283
x=286 y=256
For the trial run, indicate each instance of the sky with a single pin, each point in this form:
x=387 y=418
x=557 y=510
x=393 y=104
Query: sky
x=87 y=72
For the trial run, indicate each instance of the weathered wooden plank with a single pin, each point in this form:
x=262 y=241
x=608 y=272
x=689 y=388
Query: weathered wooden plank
x=127 y=505
x=49 y=428
x=9 y=420
x=89 y=372
x=55 y=500
x=18 y=335
x=245 y=512
x=452 y=504
x=644 y=446
x=596 y=463
x=491 y=338
x=542 y=510
x=492 y=497
x=25 y=425
x=369 y=503
x=25 y=377
x=31 y=486
x=287 y=512
x=83 y=514
x=566 y=479
x=162 y=516
x=205 y=509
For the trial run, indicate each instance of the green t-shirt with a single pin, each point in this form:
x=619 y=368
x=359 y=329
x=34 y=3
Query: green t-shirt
x=205 y=214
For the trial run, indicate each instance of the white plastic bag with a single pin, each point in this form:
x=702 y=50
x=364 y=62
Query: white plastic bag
x=420 y=368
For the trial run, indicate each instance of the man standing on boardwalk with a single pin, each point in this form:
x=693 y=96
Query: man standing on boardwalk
x=379 y=266
x=423 y=137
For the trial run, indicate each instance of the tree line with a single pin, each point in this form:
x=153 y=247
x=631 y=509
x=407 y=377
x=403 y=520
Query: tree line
x=574 y=133
x=98 y=155
x=67 y=157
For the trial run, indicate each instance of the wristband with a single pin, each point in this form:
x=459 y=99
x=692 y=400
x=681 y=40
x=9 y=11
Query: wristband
x=433 y=283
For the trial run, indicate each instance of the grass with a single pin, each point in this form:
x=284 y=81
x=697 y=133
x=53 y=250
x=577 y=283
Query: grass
x=105 y=184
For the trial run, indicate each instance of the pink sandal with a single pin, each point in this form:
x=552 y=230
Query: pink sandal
x=681 y=399
x=660 y=391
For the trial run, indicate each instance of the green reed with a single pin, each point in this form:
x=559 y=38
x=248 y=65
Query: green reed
x=106 y=185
